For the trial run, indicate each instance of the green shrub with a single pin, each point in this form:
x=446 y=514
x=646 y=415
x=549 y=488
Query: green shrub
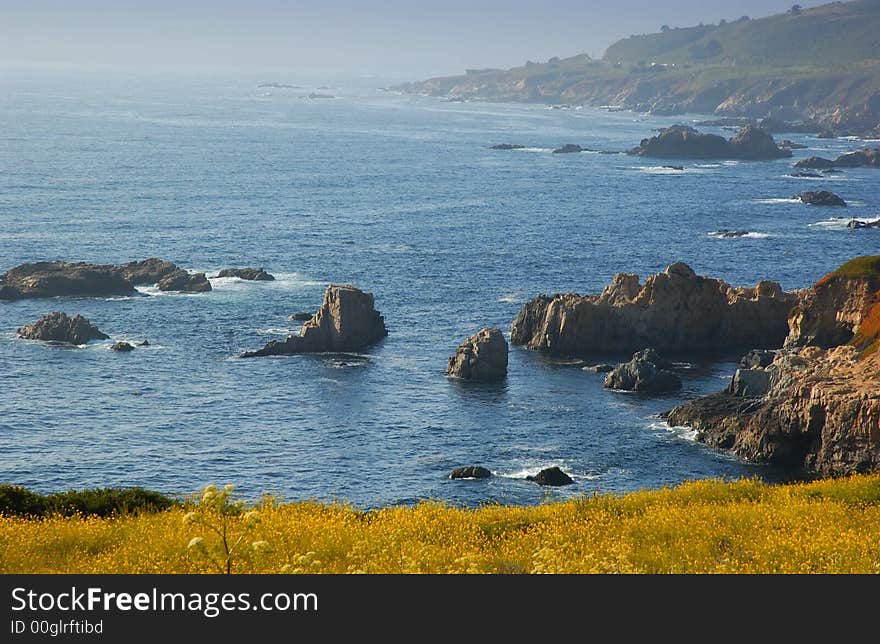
x=103 y=502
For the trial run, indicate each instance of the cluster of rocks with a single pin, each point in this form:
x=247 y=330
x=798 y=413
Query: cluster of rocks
x=58 y=327
x=551 y=476
x=867 y=158
x=684 y=142
x=81 y=279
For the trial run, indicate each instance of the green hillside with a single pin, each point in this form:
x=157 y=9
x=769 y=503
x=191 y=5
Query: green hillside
x=833 y=34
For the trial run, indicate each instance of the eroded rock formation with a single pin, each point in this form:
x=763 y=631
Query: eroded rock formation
x=346 y=322
x=676 y=311
x=184 y=282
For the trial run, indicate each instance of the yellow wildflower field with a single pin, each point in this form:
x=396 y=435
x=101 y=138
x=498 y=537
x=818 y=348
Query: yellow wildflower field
x=710 y=526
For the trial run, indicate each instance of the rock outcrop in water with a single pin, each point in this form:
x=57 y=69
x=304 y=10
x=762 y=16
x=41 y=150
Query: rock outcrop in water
x=507 y=146
x=346 y=322
x=867 y=158
x=81 y=279
x=470 y=472
x=817 y=404
x=122 y=347
x=483 y=357
x=647 y=372
x=676 y=311
x=58 y=327
x=184 y=282
x=552 y=476
x=250 y=274
x=683 y=142
x=568 y=148
x=820 y=198
x=54 y=279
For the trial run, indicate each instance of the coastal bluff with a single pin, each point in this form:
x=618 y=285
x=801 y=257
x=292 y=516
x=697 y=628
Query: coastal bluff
x=816 y=406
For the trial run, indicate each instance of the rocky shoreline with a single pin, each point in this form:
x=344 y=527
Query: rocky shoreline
x=806 y=395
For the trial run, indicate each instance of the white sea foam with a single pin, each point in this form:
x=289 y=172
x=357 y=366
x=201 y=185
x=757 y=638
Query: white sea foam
x=777 y=200
x=842 y=223
x=659 y=169
x=680 y=431
x=511 y=298
x=749 y=235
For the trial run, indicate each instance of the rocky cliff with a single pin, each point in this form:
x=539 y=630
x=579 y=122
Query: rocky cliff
x=817 y=405
x=675 y=311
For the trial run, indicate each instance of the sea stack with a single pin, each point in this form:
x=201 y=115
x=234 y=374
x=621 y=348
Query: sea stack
x=483 y=357
x=347 y=322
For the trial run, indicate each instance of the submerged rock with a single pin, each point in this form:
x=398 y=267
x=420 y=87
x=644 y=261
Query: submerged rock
x=729 y=234
x=55 y=279
x=552 y=476
x=820 y=198
x=58 y=327
x=124 y=347
x=470 y=472
x=507 y=146
x=791 y=145
x=301 y=317
x=675 y=311
x=806 y=175
x=185 y=282
x=483 y=356
x=683 y=142
x=646 y=372
x=250 y=274
x=346 y=322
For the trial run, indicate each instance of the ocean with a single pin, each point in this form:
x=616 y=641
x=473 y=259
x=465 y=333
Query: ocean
x=402 y=197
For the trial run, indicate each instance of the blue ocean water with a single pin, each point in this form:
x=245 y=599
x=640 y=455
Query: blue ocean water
x=401 y=196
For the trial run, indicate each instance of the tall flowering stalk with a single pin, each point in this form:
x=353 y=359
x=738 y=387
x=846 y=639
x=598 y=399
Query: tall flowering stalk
x=219 y=512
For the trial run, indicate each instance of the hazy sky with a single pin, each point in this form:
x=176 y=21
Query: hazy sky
x=392 y=38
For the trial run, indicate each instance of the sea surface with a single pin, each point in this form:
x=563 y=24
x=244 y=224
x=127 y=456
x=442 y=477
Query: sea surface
x=402 y=197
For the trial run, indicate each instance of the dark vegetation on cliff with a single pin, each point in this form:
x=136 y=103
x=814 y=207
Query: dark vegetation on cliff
x=820 y=64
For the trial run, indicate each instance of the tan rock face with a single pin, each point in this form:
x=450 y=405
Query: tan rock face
x=675 y=311
x=831 y=311
x=821 y=410
x=821 y=413
x=483 y=356
x=346 y=322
